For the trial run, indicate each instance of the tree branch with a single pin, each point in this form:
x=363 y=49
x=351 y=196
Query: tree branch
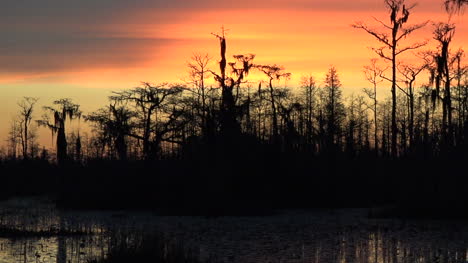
x=383 y=38
x=414 y=46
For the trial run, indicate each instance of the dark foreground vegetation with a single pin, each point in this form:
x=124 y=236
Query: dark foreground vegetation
x=154 y=248
x=242 y=186
x=241 y=147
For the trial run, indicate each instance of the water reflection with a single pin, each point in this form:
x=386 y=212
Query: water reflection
x=302 y=237
x=51 y=249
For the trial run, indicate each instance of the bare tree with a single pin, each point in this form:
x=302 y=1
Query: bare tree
x=309 y=90
x=198 y=71
x=274 y=72
x=14 y=137
x=373 y=74
x=25 y=117
x=410 y=74
x=399 y=15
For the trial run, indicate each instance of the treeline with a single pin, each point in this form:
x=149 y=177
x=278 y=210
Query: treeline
x=174 y=121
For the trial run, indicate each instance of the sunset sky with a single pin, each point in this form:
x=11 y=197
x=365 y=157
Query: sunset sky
x=84 y=49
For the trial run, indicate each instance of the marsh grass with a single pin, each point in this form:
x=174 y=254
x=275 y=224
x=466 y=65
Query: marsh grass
x=153 y=248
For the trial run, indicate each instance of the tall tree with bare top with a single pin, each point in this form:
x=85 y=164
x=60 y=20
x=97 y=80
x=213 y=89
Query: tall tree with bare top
x=198 y=73
x=410 y=73
x=26 y=106
x=397 y=30
x=373 y=74
x=228 y=80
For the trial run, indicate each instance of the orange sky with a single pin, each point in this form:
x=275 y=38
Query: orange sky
x=86 y=50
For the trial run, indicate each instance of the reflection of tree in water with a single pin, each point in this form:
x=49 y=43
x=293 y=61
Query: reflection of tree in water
x=62 y=244
x=380 y=243
x=271 y=239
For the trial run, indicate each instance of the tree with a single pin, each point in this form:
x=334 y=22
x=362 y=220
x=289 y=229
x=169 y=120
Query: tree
x=55 y=118
x=198 y=71
x=114 y=124
x=374 y=74
x=227 y=82
x=157 y=114
x=410 y=74
x=25 y=117
x=333 y=107
x=399 y=15
x=443 y=33
x=13 y=139
x=274 y=72
x=309 y=91
x=459 y=72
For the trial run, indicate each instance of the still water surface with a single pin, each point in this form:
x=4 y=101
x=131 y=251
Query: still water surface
x=292 y=236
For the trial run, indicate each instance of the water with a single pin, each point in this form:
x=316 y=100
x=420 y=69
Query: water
x=47 y=235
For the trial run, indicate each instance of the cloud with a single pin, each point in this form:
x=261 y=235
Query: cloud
x=56 y=35
x=35 y=52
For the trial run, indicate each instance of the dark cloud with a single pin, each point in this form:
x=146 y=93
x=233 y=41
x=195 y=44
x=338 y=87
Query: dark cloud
x=95 y=10
x=36 y=52
x=43 y=35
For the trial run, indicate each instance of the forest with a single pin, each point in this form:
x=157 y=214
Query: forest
x=222 y=143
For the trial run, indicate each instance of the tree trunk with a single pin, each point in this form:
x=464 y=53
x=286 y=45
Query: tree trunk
x=274 y=112
x=394 y=98
x=376 y=138
x=448 y=105
x=25 y=145
x=61 y=146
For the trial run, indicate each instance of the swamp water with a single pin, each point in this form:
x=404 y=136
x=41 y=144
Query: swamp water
x=34 y=231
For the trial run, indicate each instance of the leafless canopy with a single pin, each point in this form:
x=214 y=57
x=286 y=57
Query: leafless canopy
x=398 y=31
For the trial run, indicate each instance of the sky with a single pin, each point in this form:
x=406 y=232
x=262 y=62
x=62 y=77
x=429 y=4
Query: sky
x=85 y=49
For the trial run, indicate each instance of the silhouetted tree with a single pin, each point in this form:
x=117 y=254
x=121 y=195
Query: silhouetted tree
x=410 y=73
x=25 y=116
x=260 y=106
x=443 y=33
x=75 y=147
x=374 y=74
x=55 y=119
x=309 y=91
x=291 y=112
x=198 y=71
x=386 y=115
x=274 y=72
x=229 y=125
x=158 y=114
x=114 y=124
x=14 y=137
x=399 y=15
x=459 y=71
x=334 y=108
